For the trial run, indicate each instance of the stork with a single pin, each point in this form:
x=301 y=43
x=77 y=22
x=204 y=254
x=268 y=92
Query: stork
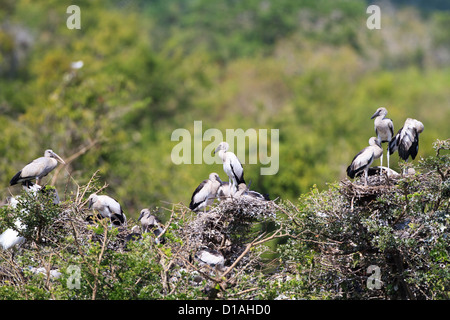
x=363 y=160
x=10 y=237
x=210 y=257
x=108 y=208
x=150 y=222
x=224 y=191
x=37 y=169
x=245 y=192
x=384 y=128
x=406 y=141
x=231 y=165
x=205 y=193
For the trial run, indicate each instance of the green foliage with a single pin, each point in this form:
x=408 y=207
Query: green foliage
x=401 y=229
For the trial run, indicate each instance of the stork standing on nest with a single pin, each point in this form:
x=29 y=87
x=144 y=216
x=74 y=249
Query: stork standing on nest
x=406 y=141
x=384 y=128
x=205 y=193
x=363 y=160
x=231 y=165
x=108 y=208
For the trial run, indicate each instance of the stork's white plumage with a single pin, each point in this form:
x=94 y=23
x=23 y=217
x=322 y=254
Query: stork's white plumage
x=224 y=191
x=210 y=257
x=384 y=128
x=231 y=165
x=406 y=141
x=10 y=237
x=205 y=193
x=38 y=168
x=108 y=208
x=363 y=160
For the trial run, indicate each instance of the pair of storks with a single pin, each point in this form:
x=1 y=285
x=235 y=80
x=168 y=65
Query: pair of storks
x=406 y=142
x=213 y=187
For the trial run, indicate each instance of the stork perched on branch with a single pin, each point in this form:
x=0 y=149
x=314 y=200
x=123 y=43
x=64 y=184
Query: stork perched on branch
x=151 y=223
x=37 y=169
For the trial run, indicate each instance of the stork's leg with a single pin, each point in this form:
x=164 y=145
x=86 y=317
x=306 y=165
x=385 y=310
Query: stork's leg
x=366 y=175
x=231 y=186
x=381 y=165
x=388 y=159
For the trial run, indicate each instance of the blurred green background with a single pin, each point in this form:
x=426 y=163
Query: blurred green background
x=310 y=68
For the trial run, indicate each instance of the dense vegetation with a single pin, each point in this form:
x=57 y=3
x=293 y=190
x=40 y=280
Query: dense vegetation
x=388 y=240
x=311 y=69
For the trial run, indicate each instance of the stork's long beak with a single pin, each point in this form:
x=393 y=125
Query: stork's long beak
x=376 y=114
x=58 y=158
x=90 y=204
x=378 y=143
x=218 y=179
x=140 y=217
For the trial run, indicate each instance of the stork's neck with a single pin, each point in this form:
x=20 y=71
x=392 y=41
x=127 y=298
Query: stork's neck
x=222 y=155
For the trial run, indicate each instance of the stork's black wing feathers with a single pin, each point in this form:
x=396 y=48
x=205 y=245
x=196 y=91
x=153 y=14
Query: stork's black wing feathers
x=15 y=179
x=238 y=179
x=193 y=204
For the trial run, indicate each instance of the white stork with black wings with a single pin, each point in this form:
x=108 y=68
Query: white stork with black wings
x=231 y=165
x=37 y=169
x=363 y=160
x=406 y=141
x=205 y=193
x=108 y=208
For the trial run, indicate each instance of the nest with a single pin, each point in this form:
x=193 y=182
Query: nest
x=226 y=226
x=376 y=186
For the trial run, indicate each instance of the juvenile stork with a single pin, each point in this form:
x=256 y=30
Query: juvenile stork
x=210 y=257
x=108 y=208
x=406 y=141
x=224 y=191
x=37 y=169
x=363 y=160
x=245 y=192
x=384 y=128
x=151 y=223
x=231 y=165
x=205 y=193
